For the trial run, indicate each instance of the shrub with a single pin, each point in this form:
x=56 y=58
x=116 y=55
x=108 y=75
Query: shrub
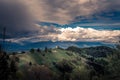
x=32 y=50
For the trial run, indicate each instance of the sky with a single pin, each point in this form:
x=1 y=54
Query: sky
x=60 y=20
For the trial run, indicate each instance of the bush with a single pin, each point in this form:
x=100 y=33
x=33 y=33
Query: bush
x=32 y=50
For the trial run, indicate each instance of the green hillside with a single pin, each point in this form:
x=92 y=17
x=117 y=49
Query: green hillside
x=48 y=58
x=94 y=63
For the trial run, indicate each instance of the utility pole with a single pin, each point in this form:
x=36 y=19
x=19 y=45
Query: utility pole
x=2 y=45
x=4 y=36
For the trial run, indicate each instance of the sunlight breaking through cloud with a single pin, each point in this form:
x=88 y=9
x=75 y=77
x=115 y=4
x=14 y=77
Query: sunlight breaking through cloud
x=72 y=34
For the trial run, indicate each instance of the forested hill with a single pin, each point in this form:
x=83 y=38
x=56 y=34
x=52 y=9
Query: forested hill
x=73 y=63
x=99 y=51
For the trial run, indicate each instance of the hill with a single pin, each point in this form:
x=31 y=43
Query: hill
x=93 y=63
x=99 y=51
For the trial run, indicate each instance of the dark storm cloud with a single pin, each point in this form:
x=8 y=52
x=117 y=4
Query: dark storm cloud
x=65 y=11
x=18 y=15
x=15 y=17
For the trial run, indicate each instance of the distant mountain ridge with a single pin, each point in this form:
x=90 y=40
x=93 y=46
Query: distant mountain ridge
x=10 y=46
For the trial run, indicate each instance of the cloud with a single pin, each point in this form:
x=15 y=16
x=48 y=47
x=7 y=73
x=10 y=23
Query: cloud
x=19 y=17
x=65 y=11
x=103 y=25
x=72 y=34
x=88 y=34
x=44 y=33
x=14 y=15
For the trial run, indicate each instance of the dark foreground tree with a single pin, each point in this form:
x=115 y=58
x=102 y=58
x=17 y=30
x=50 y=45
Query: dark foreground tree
x=13 y=70
x=4 y=67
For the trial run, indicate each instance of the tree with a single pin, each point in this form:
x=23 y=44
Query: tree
x=32 y=50
x=13 y=69
x=46 y=49
x=81 y=73
x=114 y=65
x=65 y=67
x=38 y=50
x=4 y=67
x=17 y=59
x=30 y=63
x=0 y=48
x=40 y=73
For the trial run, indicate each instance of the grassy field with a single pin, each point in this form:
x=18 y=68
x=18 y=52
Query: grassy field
x=47 y=58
